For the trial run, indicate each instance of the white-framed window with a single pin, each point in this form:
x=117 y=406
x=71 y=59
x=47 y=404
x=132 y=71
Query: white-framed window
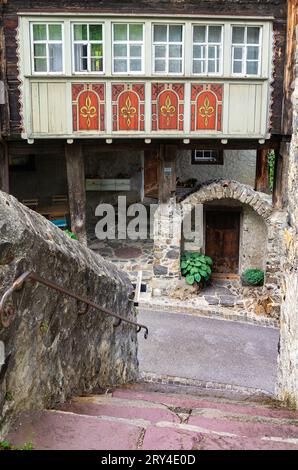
x=128 y=48
x=168 y=49
x=207 y=49
x=47 y=48
x=88 y=55
x=246 y=50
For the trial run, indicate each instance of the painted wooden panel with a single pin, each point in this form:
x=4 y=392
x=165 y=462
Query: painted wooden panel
x=88 y=107
x=128 y=107
x=49 y=108
x=167 y=107
x=245 y=109
x=206 y=107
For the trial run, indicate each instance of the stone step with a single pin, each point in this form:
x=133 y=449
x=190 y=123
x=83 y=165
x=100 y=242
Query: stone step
x=137 y=417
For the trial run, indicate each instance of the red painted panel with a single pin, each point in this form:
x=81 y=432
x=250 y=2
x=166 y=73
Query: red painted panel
x=206 y=106
x=206 y=110
x=88 y=111
x=88 y=107
x=168 y=110
x=128 y=108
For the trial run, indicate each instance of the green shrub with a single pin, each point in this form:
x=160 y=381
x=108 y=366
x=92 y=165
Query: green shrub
x=253 y=277
x=195 y=267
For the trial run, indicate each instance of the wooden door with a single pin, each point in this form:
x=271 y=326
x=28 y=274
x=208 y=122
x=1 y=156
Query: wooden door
x=222 y=240
x=151 y=173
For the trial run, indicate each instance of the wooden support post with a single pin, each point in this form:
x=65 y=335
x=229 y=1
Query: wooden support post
x=262 y=175
x=279 y=198
x=167 y=187
x=76 y=189
x=289 y=74
x=4 y=167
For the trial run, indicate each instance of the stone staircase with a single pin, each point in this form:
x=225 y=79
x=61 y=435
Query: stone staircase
x=161 y=417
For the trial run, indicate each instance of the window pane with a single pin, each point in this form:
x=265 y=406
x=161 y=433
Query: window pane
x=160 y=33
x=120 y=50
x=96 y=50
x=238 y=53
x=175 y=66
x=252 y=68
x=175 y=33
x=252 y=53
x=199 y=52
x=160 y=65
x=80 y=51
x=55 y=53
x=253 y=35
x=39 y=32
x=80 y=32
x=95 y=32
x=55 y=32
x=40 y=65
x=135 y=65
x=199 y=66
x=136 y=32
x=120 y=65
x=238 y=35
x=96 y=64
x=214 y=34
x=160 y=51
x=135 y=51
x=237 y=67
x=175 y=51
x=40 y=50
x=120 y=32
x=211 y=52
x=199 y=33
x=211 y=66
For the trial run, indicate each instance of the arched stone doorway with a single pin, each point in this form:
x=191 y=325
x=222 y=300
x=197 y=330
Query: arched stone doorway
x=168 y=241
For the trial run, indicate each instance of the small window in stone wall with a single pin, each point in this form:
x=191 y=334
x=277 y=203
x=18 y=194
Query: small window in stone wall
x=207 y=157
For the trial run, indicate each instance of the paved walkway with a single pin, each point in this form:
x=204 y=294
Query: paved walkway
x=209 y=350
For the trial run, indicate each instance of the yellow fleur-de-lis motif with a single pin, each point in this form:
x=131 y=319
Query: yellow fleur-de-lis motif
x=168 y=110
x=87 y=111
x=206 y=111
x=128 y=111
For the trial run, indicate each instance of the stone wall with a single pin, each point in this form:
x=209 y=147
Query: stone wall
x=52 y=352
x=287 y=386
x=238 y=165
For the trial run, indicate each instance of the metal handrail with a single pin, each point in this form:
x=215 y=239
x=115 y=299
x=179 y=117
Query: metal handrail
x=6 y=314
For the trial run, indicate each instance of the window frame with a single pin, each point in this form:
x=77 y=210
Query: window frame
x=244 y=46
x=47 y=42
x=128 y=43
x=167 y=43
x=89 y=43
x=206 y=44
x=219 y=157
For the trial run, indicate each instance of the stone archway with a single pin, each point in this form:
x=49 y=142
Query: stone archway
x=167 y=242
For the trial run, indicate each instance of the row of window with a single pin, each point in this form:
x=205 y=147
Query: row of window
x=128 y=48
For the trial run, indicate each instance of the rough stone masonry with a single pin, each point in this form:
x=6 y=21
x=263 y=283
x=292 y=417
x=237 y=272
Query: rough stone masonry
x=52 y=352
x=288 y=358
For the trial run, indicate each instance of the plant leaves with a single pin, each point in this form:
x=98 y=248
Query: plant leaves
x=190 y=279
x=198 y=277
